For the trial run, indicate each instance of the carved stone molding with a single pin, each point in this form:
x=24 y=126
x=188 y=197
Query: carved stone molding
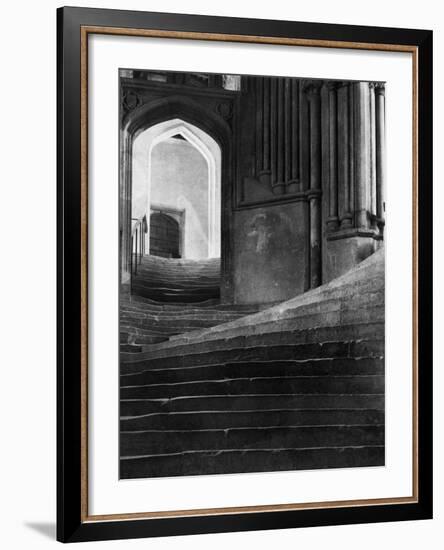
x=131 y=100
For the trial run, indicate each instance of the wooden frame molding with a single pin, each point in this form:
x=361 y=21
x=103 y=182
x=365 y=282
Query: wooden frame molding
x=85 y=526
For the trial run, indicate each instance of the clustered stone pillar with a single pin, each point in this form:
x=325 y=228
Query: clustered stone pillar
x=314 y=193
x=333 y=220
x=344 y=176
x=372 y=156
x=277 y=143
x=356 y=115
x=380 y=154
x=362 y=141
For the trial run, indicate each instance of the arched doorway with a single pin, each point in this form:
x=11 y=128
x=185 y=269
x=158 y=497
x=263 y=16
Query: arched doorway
x=178 y=184
x=210 y=128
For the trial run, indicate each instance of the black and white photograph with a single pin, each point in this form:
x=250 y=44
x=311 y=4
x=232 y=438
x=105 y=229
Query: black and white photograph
x=251 y=273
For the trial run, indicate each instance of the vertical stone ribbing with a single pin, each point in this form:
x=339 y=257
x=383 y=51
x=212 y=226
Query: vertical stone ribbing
x=348 y=220
x=362 y=152
x=287 y=124
x=295 y=177
x=280 y=135
x=315 y=184
x=273 y=129
x=259 y=125
x=343 y=155
x=373 y=206
x=332 y=220
x=266 y=117
x=380 y=152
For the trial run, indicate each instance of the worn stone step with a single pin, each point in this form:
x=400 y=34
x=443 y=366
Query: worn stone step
x=260 y=385
x=319 y=367
x=126 y=327
x=149 y=442
x=240 y=461
x=130 y=348
x=200 y=293
x=182 y=278
x=154 y=318
x=183 y=312
x=174 y=297
x=175 y=306
x=311 y=335
x=194 y=357
x=302 y=320
x=133 y=407
x=128 y=337
x=199 y=420
x=176 y=325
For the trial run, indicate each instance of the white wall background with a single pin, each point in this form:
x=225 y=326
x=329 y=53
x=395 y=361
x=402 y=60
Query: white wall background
x=27 y=300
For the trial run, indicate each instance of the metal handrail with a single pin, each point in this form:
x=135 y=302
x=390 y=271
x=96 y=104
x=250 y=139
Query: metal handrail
x=137 y=244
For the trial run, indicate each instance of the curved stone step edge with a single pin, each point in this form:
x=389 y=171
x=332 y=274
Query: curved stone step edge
x=298 y=336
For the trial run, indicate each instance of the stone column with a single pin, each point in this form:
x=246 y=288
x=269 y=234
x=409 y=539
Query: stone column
x=293 y=184
x=345 y=213
x=362 y=153
x=279 y=183
x=373 y=207
x=314 y=193
x=287 y=121
x=347 y=221
x=380 y=153
x=259 y=125
x=332 y=221
x=266 y=110
x=273 y=129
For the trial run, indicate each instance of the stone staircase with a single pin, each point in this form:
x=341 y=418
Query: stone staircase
x=171 y=297
x=297 y=386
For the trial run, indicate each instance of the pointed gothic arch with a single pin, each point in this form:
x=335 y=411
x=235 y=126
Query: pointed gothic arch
x=208 y=131
x=145 y=142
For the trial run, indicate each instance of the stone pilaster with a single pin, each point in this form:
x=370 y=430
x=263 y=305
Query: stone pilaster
x=314 y=193
x=373 y=193
x=380 y=153
x=362 y=153
x=333 y=219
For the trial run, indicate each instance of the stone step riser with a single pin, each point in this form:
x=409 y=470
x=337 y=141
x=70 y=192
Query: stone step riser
x=269 y=352
x=292 y=385
x=170 y=326
x=137 y=331
x=129 y=338
x=143 y=310
x=224 y=420
x=340 y=317
x=175 y=298
x=192 y=286
x=130 y=348
x=325 y=367
x=155 y=442
x=171 y=307
x=251 y=461
x=251 y=402
x=154 y=276
x=298 y=336
x=168 y=318
x=199 y=294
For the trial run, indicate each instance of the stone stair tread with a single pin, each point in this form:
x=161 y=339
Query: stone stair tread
x=320 y=401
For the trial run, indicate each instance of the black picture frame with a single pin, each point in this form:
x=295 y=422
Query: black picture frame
x=72 y=523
